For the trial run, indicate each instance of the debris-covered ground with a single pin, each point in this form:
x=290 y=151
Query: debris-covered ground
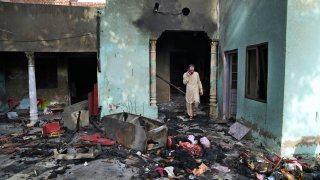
x=197 y=149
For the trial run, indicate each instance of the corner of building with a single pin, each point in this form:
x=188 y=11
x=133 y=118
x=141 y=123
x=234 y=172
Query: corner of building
x=301 y=120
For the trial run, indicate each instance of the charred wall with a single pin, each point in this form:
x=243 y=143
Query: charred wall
x=126 y=28
x=16 y=78
x=43 y=28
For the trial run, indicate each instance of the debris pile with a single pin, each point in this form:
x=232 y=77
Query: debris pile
x=125 y=146
x=271 y=166
x=185 y=156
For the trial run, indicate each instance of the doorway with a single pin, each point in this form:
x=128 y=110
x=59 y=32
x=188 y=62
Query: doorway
x=82 y=75
x=175 y=51
x=61 y=77
x=231 y=81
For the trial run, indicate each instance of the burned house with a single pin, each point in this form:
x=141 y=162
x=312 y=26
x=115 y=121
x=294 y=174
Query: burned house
x=140 y=41
x=49 y=50
x=258 y=60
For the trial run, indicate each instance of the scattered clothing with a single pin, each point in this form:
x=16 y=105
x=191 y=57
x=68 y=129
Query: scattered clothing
x=200 y=170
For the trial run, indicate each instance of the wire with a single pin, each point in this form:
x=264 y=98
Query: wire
x=53 y=39
x=169 y=13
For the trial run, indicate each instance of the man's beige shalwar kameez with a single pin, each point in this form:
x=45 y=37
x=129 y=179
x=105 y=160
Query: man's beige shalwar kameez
x=194 y=88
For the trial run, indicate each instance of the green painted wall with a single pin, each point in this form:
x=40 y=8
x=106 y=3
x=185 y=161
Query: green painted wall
x=126 y=28
x=301 y=126
x=245 y=23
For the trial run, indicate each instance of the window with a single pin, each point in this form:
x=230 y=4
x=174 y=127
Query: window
x=257 y=72
x=46 y=73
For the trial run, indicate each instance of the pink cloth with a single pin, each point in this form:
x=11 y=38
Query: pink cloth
x=160 y=170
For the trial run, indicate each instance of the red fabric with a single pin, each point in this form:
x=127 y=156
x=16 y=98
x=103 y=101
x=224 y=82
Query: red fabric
x=160 y=170
x=39 y=101
x=193 y=148
x=278 y=158
x=96 y=139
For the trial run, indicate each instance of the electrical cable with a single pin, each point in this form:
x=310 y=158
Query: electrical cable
x=169 y=13
x=53 y=39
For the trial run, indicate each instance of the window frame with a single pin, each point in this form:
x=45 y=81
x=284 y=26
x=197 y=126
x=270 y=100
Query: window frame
x=256 y=47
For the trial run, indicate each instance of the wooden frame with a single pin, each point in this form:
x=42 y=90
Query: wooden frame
x=226 y=92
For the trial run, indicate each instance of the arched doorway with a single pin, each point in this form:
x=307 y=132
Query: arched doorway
x=175 y=50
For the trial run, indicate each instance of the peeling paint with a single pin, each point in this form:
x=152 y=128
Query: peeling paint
x=262 y=132
x=124 y=79
x=304 y=141
x=301 y=94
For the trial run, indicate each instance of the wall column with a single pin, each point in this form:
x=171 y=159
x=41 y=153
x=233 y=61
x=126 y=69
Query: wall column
x=153 y=73
x=32 y=89
x=213 y=81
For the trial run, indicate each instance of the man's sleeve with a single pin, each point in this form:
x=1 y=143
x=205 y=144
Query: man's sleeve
x=185 y=79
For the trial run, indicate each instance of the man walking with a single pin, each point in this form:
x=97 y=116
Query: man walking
x=194 y=88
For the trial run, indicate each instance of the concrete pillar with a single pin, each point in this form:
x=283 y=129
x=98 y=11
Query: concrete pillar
x=153 y=73
x=213 y=81
x=32 y=89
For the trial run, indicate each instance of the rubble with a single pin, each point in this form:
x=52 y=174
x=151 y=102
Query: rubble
x=72 y=113
x=175 y=149
x=93 y=152
x=238 y=130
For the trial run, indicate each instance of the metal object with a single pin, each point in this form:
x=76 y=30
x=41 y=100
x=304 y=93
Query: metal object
x=136 y=131
x=170 y=84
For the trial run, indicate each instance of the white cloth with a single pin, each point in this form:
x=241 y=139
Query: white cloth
x=170 y=172
x=192 y=139
x=205 y=142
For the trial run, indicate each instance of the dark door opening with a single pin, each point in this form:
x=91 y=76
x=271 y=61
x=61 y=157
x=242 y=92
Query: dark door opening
x=82 y=75
x=175 y=51
x=61 y=77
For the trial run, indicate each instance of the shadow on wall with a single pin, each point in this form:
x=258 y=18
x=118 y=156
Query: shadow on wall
x=236 y=12
x=200 y=17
